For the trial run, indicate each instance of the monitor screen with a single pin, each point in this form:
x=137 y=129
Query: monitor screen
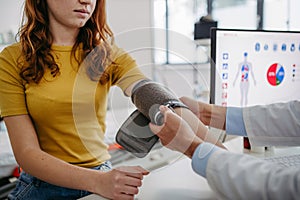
x=252 y=67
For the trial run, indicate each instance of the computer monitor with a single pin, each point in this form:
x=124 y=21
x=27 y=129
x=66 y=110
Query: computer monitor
x=252 y=67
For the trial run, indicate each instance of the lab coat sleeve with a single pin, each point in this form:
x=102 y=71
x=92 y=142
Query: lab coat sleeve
x=235 y=122
x=273 y=125
x=201 y=156
x=239 y=176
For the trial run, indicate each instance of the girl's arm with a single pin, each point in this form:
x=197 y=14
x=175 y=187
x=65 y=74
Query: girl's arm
x=119 y=183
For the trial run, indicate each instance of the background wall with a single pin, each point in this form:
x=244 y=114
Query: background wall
x=131 y=22
x=10 y=19
x=10 y=15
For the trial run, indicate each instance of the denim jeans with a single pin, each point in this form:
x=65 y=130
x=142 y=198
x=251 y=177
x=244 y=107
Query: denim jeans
x=30 y=187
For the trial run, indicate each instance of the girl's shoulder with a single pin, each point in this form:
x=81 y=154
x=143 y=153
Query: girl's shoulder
x=12 y=49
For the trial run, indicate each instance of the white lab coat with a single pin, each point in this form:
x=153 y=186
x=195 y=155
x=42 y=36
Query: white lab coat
x=238 y=176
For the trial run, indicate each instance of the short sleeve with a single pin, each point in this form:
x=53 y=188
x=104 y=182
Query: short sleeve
x=12 y=91
x=126 y=71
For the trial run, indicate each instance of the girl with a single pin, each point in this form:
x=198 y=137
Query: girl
x=53 y=90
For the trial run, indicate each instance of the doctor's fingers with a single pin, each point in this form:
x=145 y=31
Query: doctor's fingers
x=173 y=126
x=202 y=110
x=195 y=106
x=160 y=129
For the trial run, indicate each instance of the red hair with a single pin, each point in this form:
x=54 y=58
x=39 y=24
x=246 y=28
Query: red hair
x=36 y=41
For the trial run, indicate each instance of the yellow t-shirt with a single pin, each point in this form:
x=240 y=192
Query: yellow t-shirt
x=68 y=111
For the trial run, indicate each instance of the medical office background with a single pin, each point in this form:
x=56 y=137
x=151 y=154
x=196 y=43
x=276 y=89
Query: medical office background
x=159 y=34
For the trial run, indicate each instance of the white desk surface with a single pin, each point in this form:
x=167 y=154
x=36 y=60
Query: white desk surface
x=177 y=181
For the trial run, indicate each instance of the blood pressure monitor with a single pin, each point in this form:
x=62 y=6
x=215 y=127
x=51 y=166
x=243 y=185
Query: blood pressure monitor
x=135 y=135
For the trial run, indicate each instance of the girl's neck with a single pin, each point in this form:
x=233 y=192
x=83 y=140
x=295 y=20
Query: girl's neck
x=64 y=36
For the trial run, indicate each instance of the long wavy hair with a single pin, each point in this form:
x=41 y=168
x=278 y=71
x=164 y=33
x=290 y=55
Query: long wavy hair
x=36 y=41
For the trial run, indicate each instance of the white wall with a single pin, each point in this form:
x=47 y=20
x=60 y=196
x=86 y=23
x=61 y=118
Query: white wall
x=130 y=21
x=10 y=14
x=10 y=19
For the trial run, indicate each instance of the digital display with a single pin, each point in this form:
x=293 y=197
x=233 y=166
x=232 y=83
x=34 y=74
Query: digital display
x=252 y=67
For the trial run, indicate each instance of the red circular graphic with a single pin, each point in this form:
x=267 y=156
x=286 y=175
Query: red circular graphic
x=275 y=74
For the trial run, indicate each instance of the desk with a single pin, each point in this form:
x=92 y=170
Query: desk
x=236 y=145
x=177 y=181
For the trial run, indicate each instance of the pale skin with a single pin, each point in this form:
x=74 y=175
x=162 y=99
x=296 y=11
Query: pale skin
x=177 y=134
x=210 y=115
x=197 y=126
x=66 y=17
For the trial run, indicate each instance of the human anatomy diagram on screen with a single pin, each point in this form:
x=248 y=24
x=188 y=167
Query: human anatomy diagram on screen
x=244 y=70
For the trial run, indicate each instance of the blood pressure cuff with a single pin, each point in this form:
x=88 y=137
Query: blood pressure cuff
x=135 y=135
x=148 y=96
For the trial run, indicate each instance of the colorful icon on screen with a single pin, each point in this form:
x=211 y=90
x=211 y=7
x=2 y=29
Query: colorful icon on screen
x=225 y=76
x=224 y=85
x=224 y=95
x=275 y=47
x=225 y=56
x=275 y=74
x=225 y=66
x=283 y=47
x=293 y=47
x=257 y=47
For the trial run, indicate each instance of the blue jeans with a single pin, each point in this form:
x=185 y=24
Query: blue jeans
x=29 y=187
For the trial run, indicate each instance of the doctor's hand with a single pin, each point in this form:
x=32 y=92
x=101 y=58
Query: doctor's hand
x=175 y=133
x=211 y=115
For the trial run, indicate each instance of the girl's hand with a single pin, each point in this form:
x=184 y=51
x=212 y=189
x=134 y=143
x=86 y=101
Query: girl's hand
x=121 y=182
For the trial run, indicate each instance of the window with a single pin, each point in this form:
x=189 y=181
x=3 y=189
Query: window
x=282 y=15
x=175 y=19
x=239 y=14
